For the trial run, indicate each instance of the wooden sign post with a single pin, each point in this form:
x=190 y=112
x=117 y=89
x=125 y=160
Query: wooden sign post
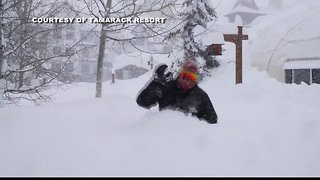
x=237 y=39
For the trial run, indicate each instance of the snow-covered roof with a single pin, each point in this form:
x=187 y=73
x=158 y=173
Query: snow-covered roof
x=124 y=60
x=246 y=10
x=250 y=4
x=139 y=59
x=245 y=6
x=213 y=38
x=307 y=63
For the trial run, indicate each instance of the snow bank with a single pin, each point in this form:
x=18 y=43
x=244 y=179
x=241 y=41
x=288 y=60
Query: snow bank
x=265 y=129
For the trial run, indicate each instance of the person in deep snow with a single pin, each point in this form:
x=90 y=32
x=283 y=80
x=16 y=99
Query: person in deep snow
x=181 y=94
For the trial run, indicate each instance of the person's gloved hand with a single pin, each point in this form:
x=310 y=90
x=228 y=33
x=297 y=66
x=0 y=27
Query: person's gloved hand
x=162 y=74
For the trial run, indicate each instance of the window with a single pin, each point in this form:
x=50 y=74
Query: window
x=85 y=69
x=88 y=37
x=56 y=66
x=302 y=75
x=70 y=26
x=43 y=37
x=316 y=76
x=70 y=51
x=57 y=34
x=57 y=50
x=288 y=76
x=85 y=52
x=70 y=35
x=84 y=36
x=107 y=64
x=69 y=68
x=309 y=76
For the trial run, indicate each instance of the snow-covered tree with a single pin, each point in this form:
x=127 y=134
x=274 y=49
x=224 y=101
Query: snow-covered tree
x=2 y=44
x=1 y=38
x=125 y=32
x=28 y=55
x=195 y=13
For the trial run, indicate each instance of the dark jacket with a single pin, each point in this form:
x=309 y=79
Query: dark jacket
x=169 y=96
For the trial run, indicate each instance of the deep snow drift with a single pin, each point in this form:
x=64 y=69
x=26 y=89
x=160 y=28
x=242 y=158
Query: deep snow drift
x=266 y=128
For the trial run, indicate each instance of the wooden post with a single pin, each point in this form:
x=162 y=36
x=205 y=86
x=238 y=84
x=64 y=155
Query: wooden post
x=237 y=40
x=113 y=75
x=113 y=78
x=151 y=62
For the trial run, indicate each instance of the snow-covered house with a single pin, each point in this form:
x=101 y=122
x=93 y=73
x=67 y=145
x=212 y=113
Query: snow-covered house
x=132 y=66
x=298 y=70
x=88 y=56
x=286 y=43
x=130 y=71
x=83 y=41
x=246 y=10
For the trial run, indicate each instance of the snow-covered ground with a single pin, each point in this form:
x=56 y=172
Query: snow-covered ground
x=266 y=128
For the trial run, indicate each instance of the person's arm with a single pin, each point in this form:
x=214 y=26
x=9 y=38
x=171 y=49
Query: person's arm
x=207 y=111
x=150 y=95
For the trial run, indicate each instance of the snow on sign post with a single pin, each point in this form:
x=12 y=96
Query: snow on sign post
x=237 y=40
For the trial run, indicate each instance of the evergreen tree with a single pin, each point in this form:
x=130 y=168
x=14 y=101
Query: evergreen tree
x=195 y=13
